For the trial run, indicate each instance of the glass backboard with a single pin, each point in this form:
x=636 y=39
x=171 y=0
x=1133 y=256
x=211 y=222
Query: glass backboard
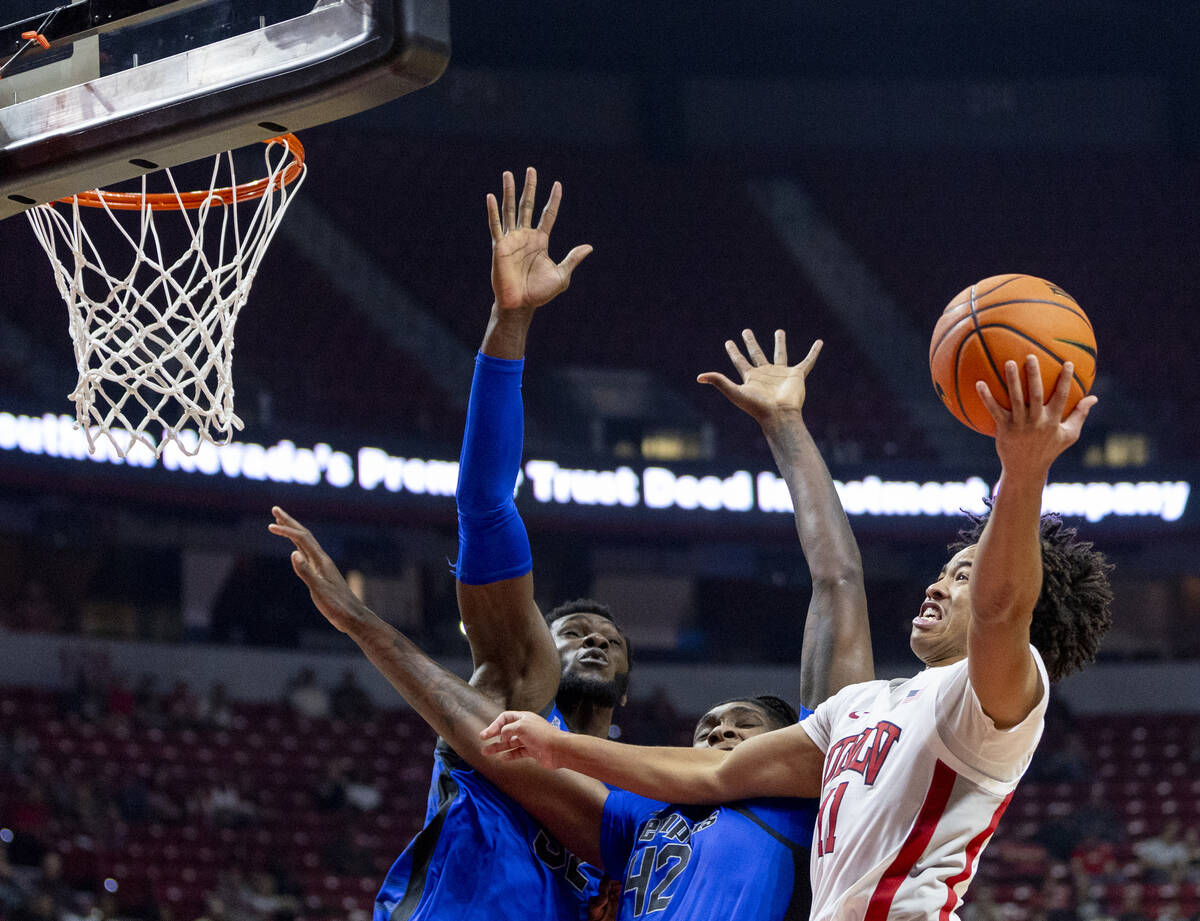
x=129 y=86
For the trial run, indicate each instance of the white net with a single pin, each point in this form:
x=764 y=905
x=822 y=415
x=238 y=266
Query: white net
x=154 y=291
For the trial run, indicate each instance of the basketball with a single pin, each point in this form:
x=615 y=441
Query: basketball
x=1001 y=318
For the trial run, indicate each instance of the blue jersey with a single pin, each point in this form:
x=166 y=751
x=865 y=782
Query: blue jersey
x=480 y=855
x=744 y=861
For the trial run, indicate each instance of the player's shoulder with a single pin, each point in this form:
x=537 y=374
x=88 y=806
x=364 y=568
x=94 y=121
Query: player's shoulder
x=853 y=694
x=623 y=803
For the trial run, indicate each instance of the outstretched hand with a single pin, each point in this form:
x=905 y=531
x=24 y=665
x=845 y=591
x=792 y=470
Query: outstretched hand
x=312 y=564
x=769 y=388
x=523 y=274
x=514 y=735
x=1033 y=433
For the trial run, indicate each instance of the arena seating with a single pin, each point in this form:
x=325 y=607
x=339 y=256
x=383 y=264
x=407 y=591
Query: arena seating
x=1144 y=768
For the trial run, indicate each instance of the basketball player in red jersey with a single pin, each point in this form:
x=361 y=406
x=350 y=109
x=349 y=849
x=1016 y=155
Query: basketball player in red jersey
x=912 y=775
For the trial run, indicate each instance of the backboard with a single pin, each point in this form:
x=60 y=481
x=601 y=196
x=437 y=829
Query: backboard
x=126 y=87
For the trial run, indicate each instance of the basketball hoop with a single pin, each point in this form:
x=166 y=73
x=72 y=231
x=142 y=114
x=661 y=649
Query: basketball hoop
x=154 y=338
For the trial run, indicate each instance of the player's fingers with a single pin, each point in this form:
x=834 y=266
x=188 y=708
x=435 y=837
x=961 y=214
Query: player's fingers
x=300 y=566
x=781 y=347
x=550 y=212
x=998 y=413
x=493 y=730
x=492 y=746
x=811 y=358
x=528 y=193
x=1016 y=393
x=509 y=204
x=280 y=530
x=283 y=517
x=574 y=257
x=1079 y=414
x=1062 y=391
x=753 y=349
x=495 y=228
x=738 y=359
x=301 y=536
x=1033 y=379
x=727 y=387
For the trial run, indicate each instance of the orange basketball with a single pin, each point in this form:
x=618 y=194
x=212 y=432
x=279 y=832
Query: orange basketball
x=1001 y=318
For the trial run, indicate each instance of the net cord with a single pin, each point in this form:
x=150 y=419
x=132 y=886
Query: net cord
x=162 y=348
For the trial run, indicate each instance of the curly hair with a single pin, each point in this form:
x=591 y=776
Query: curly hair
x=590 y=606
x=1072 y=613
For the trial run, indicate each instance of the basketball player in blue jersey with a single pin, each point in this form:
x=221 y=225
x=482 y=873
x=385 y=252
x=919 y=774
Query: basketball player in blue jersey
x=679 y=862
x=477 y=845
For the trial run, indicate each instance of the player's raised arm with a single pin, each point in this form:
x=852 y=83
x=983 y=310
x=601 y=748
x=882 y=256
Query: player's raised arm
x=785 y=762
x=837 y=633
x=1006 y=572
x=569 y=805
x=515 y=658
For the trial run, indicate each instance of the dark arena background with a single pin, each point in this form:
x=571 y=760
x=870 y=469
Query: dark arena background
x=183 y=736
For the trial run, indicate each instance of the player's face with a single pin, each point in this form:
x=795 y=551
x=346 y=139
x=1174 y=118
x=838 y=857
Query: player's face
x=939 y=631
x=728 y=725
x=591 y=648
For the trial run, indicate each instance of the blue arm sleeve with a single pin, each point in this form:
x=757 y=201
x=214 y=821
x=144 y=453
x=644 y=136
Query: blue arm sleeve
x=492 y=543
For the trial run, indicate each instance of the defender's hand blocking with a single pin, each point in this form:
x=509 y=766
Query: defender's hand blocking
x=1033 y=433
x=523 y=274
x=768 y=388
x=312 y=564
x=515 y=735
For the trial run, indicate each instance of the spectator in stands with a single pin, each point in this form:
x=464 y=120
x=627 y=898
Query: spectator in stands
x=1192 y=839
x=1058 y=894
x=28 y=811
x=1170 y=911
x=180 y=706
x=1091 y=910
x=349 y=701
x=982 y=906
x=345 y=855
x=330 y=795
x=133 y=800
x=1069 y=761
x=18 y=748
x=361 y=793
x=214 y=709
x=51 y=887
x=163 y=808
x=87 y=697
x=1093 y=821
x=1131 y=904
x=1094 y=863
x=148 y=707
x=307 y=697
x=12 y=891
x=1163 y=858
x=1097 y=819
x=224 y=806
x=120 y=702
x=39 y=907
x=91 y=809
x=260 y=895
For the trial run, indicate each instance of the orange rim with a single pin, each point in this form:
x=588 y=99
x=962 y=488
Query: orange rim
x=190 y=201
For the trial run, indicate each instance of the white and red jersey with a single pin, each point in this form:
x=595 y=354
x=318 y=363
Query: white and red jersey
x=916 y=778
